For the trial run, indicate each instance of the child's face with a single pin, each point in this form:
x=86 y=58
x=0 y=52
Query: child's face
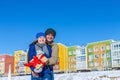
x=41 y=40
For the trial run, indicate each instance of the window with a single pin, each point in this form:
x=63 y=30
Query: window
x=115 y=62
x=90 y=50
x=95 y=49
x=74 y=52
x=21 y=70
x=119 y=46
x=78 y=51
x=21 y=64
x=22 y=58
x=108 y=47
x=82 y=58
x=119 y=52
x=96 y=56
x=17 y=64
x=115 y=46
x=83 y=51
x=74 y=59
x=115 y=53
x=119 y=61
x=102 y=48
x=69 y=59
x=78 y=58
x=2 y=59
x=17 y=59
x=90 y=57
x=96 y=64
x=1 y=71
x=70 y=53
x=108 y=54
x=70 y=66
x=90 y=64
x=103 y=55
x=103 y=63
x=109 y=63
x=1 y=64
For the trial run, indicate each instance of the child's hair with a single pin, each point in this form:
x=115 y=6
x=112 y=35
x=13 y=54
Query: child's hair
x=35 y=41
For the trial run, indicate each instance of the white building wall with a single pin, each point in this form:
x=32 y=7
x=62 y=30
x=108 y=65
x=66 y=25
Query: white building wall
x=81 y=58
x=115 y=54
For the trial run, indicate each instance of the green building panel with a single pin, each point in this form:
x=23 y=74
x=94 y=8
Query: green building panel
x=71 y=50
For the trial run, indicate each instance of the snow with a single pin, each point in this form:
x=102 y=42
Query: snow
x=96 y=75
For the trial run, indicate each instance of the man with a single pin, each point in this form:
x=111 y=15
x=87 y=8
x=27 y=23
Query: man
x=50 y=35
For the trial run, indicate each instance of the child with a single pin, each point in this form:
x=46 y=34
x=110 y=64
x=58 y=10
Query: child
x=35 y=47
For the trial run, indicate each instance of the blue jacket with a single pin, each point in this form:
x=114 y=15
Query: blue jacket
x=32 y=52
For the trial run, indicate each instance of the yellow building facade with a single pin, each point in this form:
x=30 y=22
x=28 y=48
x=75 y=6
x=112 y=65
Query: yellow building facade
x=63 y=57
x=20 y=57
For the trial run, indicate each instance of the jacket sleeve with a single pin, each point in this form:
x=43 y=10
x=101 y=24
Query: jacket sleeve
x=31 y=53
x=54 y=57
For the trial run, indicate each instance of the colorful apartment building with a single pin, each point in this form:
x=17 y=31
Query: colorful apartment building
x=81 y=61
x=20 y=57
x=115 y=54
x=99 y=55
x=5 y=61
x=62 y=58
x=72 y=58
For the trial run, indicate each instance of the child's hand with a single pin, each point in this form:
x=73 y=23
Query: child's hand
x=35 y=74
x=39 y=52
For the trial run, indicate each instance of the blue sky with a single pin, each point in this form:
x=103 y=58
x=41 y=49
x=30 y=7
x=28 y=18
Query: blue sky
x=77 y=22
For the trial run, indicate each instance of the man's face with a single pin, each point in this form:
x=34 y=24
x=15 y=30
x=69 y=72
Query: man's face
x=49 y=37
x=41 y=40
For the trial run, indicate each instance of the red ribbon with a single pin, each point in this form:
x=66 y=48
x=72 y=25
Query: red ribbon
x=36 y=61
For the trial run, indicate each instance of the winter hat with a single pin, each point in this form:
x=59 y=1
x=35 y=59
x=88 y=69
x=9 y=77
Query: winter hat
x=40 y=34
x=50 y=31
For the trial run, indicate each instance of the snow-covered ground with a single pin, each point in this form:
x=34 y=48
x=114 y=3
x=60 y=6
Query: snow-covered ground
x=97 y=75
